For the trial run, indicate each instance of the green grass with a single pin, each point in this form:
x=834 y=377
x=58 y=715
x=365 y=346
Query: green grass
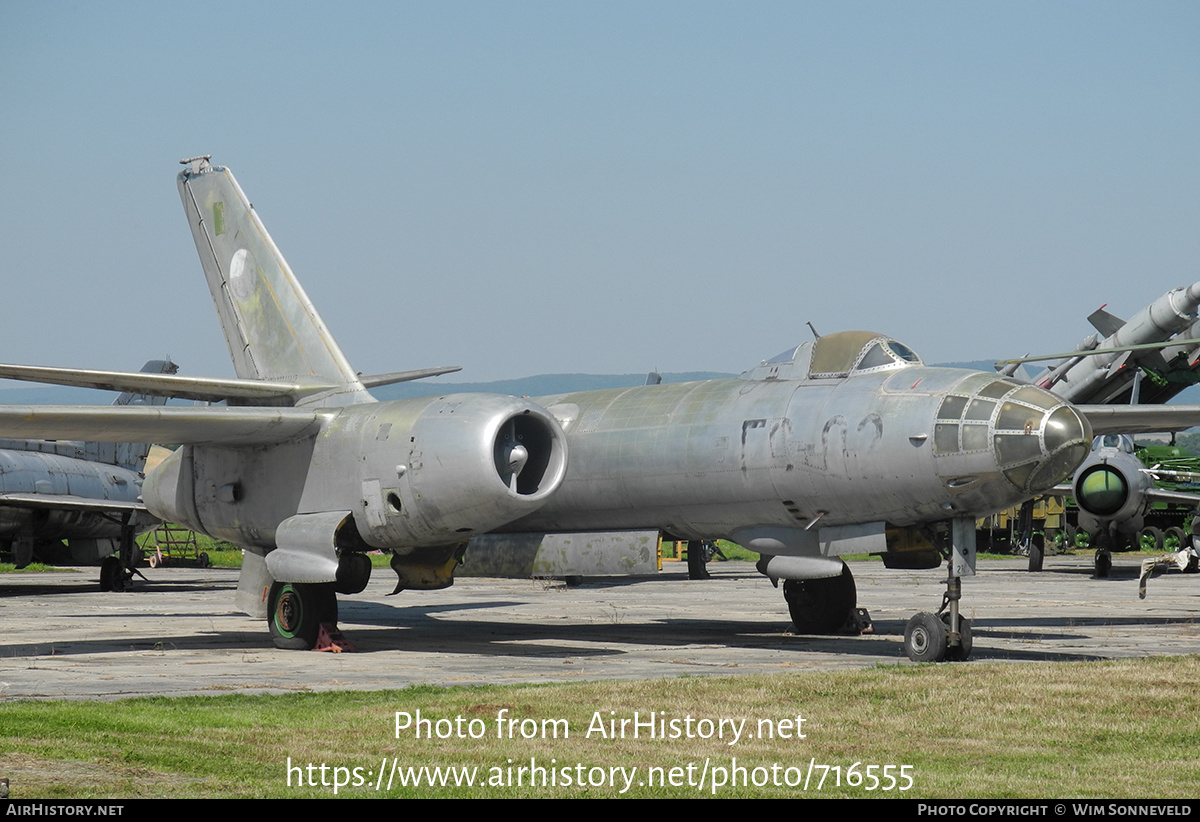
x=1095 y=730
x=31 y=568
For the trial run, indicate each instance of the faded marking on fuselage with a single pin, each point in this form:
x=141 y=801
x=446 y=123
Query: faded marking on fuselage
x=870 y=432
x=834 y=433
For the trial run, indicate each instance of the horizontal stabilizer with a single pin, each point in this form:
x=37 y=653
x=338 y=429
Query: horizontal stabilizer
x=1140 y=419
x=202 y=389
x=377 y=380
x=164 y=425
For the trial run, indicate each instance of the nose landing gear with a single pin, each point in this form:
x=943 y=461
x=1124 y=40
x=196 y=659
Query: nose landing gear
x=933 y=638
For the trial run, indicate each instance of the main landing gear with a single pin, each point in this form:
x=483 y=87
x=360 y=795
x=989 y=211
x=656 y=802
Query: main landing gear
x=821 y=606
x=296 y=613
x=117 y=570
x=947 y=634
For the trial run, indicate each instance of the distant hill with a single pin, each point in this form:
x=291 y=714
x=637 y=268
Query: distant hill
x=976 y=365
x=55 y=395
x=533 y=386
x=526 y=387
x=538 y=386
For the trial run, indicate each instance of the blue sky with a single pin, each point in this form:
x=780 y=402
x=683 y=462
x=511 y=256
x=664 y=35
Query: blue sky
x=523 y=188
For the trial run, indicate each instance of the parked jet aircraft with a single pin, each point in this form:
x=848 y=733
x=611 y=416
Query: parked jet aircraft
x=844 y=444
x=87 y=493
x=1147 y=359
x=1114 y=491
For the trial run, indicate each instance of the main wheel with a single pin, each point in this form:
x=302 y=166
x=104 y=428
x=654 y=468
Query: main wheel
x=296 y=611
x=112 y=575
x=961 y=651
x=925 y=638
x=821 y=606
x=353 y=573
x=1036 y=555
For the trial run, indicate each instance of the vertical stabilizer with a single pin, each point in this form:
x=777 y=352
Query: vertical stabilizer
x=272 y=328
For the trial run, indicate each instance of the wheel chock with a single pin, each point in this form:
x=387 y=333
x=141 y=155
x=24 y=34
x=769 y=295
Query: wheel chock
x=329 y=638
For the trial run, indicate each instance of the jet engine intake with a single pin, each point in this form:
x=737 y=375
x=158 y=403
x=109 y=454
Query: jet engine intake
x=471 y=463
x=1103 y=491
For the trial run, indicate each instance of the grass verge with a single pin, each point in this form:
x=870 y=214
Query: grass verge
x=1092 y=730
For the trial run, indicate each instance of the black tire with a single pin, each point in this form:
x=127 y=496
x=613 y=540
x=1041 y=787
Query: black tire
x=696 y=561
x=962 y=651
x=353 y=573
x=295 y=613
x=821 y=606
x=925 y=638
x=112 y=575
x=1036 y=555
x=1102 y=564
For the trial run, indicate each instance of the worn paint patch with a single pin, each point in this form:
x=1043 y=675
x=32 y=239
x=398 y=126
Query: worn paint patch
x=239 y=274
x=219 y=218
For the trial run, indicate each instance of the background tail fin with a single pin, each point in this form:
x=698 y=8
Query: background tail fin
x=271 y=326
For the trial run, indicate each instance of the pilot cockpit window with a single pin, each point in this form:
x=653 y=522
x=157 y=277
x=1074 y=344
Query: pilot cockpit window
x=1121 y=442
x=835 y=355
x=787 y=355
x=875 y=357
x=903 y=352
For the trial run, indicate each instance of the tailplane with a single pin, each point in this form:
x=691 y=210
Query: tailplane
x=131 y=455
x=272 y=329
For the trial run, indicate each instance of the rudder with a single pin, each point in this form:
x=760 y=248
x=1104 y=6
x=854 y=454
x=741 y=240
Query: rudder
x=272 y=329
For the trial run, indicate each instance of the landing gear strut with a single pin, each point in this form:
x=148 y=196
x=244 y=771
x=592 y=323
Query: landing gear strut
x=117 y=570
x=934 y=638
x=1102 y=562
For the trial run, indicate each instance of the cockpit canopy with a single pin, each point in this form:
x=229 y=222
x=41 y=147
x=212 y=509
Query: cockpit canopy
x=836 y=355
x=1118 y=442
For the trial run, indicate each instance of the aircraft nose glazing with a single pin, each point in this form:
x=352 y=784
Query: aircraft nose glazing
x=1035 y=438
x=1038 y=439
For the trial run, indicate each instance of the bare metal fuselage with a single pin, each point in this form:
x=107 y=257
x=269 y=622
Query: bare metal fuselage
x=699 y=460
x=718 y=458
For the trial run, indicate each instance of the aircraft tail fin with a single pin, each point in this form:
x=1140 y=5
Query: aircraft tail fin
x=272 y=329
x=130 y=455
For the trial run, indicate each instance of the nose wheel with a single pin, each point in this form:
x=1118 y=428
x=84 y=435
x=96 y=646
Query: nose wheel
x=946 y=636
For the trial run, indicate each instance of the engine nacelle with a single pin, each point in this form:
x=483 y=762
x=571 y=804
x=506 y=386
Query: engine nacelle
x=464 y=464
x=411 y=473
